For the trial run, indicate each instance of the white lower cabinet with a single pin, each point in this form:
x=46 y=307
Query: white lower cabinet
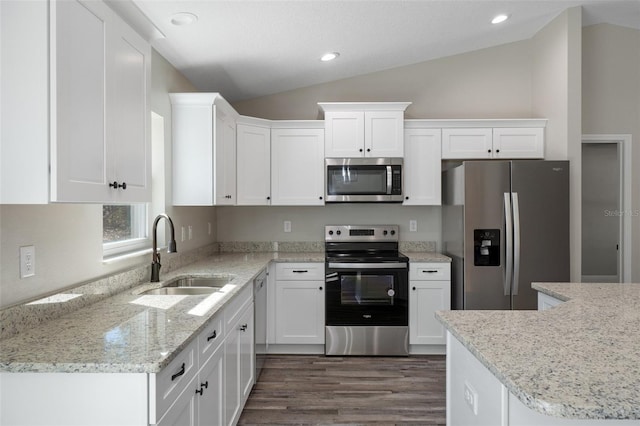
x=299 y=303
x=238 y=365
x=475 y=397
x=546 y=302
x=429 y=291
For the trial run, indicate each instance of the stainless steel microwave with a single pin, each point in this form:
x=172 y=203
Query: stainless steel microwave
x=363 y=180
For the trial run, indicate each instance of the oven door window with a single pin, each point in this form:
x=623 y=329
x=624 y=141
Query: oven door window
x=367 y=290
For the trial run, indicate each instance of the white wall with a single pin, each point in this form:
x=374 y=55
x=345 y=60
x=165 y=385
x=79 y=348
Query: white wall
x=611 y=101
x=68 y=238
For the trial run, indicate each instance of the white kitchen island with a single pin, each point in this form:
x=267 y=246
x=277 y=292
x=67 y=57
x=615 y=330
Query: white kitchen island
x=577 y=363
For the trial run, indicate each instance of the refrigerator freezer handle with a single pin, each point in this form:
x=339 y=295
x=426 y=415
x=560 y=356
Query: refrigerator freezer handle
x=516 y=243
x=508 y=238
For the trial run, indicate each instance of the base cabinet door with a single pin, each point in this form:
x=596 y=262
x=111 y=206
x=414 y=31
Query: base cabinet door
x=183 y=411
x=299 y=312
x=427 y=297
x=210 y=390
x=238 y=365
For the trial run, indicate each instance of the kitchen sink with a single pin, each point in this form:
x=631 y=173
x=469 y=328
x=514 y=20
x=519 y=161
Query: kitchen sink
x=191 y=286
x=182 y=291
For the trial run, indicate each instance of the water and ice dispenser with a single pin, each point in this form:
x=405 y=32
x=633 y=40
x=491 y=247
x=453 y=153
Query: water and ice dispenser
x=486 y=247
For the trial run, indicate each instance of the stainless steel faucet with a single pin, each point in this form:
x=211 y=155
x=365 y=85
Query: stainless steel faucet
x=155 y=264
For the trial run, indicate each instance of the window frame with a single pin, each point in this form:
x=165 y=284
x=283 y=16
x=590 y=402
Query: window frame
x=140 y=230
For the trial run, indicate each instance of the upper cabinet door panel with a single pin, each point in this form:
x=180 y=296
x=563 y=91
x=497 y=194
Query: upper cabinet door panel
x=383 y=135
x=344 y=134
x=422 y=167
x=518 y=142
x=467 y=143
x=254 y=165
x=128 y=109
x=78 y=75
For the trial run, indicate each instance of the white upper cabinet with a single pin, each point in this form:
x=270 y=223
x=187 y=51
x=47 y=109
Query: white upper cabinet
x=253 y=164
x=493 y=139
x=297 y=166
x=422 y=167
x=204 y=149
x=354 y=129
x=93 y=72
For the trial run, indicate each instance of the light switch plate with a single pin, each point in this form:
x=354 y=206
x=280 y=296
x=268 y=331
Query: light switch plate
x=413 y=225
x=287 y=226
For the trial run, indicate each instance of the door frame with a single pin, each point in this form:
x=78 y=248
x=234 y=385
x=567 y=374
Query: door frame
x=624 y=155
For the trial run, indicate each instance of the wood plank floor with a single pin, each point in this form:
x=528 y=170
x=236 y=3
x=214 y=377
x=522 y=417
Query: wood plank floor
x=315 y=390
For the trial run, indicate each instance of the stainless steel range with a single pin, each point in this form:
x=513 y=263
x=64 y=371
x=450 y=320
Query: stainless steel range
x=367 y=288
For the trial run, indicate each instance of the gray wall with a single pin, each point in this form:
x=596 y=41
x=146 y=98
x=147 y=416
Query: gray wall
x=611 y=101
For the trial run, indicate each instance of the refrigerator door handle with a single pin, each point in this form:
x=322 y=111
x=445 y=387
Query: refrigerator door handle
x=516 y=243
x=508 y=233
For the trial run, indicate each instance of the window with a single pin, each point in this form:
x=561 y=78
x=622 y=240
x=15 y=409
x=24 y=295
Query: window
x=124 y=228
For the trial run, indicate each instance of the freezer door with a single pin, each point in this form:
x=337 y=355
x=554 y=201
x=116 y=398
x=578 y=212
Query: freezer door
x=541 y=197
x=486 y=183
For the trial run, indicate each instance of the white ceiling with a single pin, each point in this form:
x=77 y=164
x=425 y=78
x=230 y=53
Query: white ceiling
x=246 y=49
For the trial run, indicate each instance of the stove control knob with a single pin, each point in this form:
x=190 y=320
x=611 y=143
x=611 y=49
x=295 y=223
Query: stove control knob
x=384 y=232
x=338 y=232
x=393 y=232
x=330 y=232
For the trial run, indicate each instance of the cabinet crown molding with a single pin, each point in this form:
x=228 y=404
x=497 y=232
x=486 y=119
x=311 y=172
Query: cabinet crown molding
x=445 y=123
x=363 y=106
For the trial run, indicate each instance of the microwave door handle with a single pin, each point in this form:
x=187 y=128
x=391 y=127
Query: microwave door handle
x=389 y=180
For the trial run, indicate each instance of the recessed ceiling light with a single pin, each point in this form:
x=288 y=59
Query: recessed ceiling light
x=329 y=56
x=183 y=18
x=499 y=18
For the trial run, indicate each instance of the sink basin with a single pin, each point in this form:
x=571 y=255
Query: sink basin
x=191 y=286
x=182 y=291
x=212 y=281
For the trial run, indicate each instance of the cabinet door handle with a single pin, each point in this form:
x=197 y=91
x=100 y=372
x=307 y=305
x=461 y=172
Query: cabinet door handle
x=320 y=288
x=116 y=185
x=243 y=327
x=414 y=289
x=321 y=198
x=368 y=149
x=268 y=198
x=213 y=336
x=179 y=373
x=360 y=150
x=300 y=271
x=205 y=385
x=430 y=271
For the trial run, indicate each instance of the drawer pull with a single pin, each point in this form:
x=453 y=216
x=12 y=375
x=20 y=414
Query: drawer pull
x=200 y=391
x=179 y=373
x=205 y=385
x=213 y=336
x=300 y=271
x=430 y=271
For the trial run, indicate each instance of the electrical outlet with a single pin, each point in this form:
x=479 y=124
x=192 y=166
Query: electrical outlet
x=471 y=397
x=182 y=233
x=413 y=225
x=287 y=226
x=27 y=261
x=190 y=232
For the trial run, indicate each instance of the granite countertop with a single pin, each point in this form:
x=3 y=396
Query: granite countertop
x=130 y=332
x=134 y=333
x=580 y=359
x=426 y=256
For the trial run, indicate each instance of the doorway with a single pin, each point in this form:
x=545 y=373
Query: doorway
x=606 y=197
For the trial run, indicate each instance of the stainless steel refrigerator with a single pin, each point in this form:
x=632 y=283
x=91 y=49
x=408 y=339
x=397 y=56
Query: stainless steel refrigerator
x=505 y=225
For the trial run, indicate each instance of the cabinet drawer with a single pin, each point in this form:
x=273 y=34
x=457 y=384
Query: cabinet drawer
x=430 y=271
x=235 y=307
x=210 y=338
x=299 y=271
x=169 y=383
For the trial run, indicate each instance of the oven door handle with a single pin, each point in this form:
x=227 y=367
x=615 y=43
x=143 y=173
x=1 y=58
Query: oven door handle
x=364 y=266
